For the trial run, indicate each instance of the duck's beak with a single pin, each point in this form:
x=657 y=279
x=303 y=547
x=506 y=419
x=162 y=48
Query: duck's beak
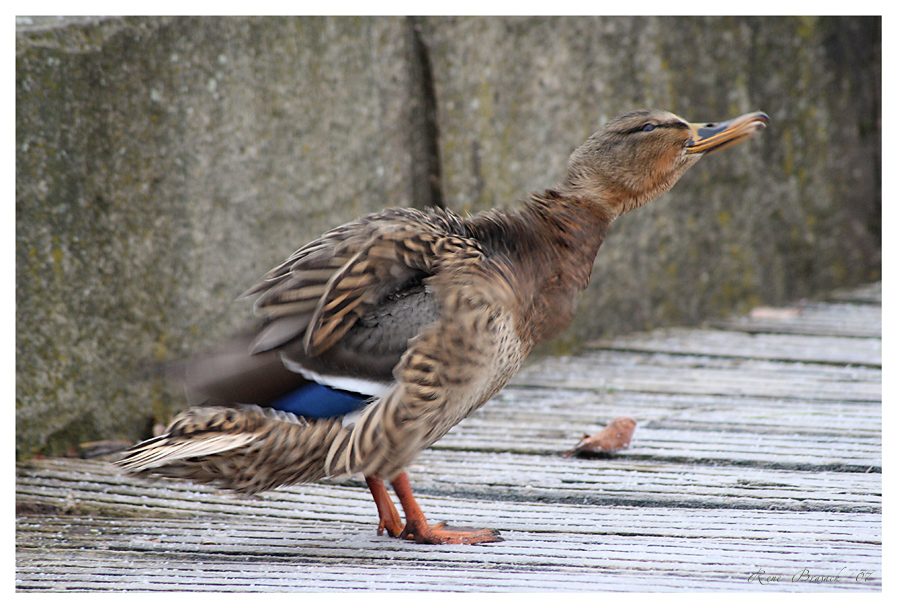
x=715 y=136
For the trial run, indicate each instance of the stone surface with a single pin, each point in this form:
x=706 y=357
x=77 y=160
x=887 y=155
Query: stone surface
x=765 y=222
x=163 y=164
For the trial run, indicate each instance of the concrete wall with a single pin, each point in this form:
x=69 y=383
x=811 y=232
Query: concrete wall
x=164 y=164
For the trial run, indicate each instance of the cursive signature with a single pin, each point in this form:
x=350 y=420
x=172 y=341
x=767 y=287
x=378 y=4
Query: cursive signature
x=805 y=575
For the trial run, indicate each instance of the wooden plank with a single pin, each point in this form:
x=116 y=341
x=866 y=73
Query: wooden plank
x=814 y=453
x=702 y=375
x=750 y=454
x=646 y=483
x=328 y=523
x=861 y=528
x=71 y=571
x=623 y=484
x=492 y=477
x=557 y=415
x=870 y=294
x=262 y=555
x=807 y=436
x=835 y=350
x=816 y=319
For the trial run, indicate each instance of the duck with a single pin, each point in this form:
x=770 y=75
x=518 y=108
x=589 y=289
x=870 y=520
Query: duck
x=377 y=338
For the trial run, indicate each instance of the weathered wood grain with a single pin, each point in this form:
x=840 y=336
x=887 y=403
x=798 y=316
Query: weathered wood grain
x=703 y=375
x=758 y=449
x=598 y=552
x=851 y=320
x=835 y=350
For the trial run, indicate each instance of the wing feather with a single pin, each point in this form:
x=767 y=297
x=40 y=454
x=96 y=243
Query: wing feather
x=320 y=292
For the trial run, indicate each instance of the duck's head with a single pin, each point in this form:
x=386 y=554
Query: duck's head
x=637 y=156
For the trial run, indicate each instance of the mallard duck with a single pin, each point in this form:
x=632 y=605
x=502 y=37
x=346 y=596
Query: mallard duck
x=384 y=333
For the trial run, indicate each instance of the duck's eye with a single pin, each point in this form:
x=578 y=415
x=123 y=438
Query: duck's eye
x=649 y=127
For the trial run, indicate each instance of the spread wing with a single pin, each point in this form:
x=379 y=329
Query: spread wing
x=323 y=289
x=340 y=311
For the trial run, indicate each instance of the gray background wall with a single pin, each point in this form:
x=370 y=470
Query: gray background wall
x=164 y=164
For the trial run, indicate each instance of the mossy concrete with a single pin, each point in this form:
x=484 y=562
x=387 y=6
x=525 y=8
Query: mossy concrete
x=792 y=213
x=163 y=164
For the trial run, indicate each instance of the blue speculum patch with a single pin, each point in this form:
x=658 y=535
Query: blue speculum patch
x=319 y=401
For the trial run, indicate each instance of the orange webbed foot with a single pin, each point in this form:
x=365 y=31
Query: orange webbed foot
x=442 y=534
x=418 y=530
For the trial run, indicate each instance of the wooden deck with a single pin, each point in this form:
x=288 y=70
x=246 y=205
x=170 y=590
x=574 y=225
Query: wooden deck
x=758 y=450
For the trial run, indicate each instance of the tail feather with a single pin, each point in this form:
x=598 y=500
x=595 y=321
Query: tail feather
x=244 y=448
x=163 y=450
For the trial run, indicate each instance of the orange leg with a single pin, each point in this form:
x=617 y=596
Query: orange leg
x=389 y=515
x=420 y=531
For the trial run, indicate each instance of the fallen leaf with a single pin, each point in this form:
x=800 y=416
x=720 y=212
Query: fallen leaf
x=612 y=438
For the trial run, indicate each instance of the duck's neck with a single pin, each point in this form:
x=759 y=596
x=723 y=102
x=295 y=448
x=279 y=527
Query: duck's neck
x=551 y=243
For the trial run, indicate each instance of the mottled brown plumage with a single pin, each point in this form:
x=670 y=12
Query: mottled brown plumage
x=427 y=313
